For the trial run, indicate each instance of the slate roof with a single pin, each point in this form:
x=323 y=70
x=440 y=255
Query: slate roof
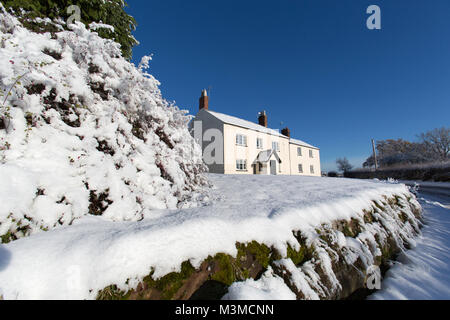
x=254 y=126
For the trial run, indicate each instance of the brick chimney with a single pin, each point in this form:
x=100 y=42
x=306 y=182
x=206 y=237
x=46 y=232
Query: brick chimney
x=262 y=120
x=286 y=132
x=204 y=100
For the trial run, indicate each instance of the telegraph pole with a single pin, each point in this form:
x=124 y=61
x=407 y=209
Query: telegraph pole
x=374 y=155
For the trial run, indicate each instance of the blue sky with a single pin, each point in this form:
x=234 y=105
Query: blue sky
x=312 y=64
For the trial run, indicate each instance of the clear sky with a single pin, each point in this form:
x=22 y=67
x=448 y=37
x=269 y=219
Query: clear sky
x=312 y=64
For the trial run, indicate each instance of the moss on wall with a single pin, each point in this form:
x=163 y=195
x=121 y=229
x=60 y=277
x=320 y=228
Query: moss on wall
x=254 y=258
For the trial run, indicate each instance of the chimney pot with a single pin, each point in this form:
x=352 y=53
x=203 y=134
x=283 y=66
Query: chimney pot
x=286 y=132
x=262 y=119
x=204 y=100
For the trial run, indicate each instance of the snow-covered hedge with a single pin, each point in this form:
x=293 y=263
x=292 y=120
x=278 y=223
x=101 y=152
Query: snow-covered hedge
x=83 y=131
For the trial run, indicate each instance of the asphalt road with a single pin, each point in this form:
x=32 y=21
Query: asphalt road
x=434 y=189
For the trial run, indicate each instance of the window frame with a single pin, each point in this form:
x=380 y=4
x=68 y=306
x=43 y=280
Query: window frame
x=259 y=145
x=299 y=152
x=311 y=169
x=241 y=140
x=277 y=146
x=241 y=165
x=300 y=168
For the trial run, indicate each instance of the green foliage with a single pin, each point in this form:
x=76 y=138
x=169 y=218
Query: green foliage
x=167 y=285
x=6 y=238
x=170 y=283
x=113 y=293
x=226 y=273
x=261 y=252
x=297 y=257
x=109 y=12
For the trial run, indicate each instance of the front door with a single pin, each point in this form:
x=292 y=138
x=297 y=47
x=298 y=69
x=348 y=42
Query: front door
x=273 y=167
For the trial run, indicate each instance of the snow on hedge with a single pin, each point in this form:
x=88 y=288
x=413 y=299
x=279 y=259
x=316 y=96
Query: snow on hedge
x=83 y=131
x=75 y=262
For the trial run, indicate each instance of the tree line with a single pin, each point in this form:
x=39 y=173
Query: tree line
x=432 y=147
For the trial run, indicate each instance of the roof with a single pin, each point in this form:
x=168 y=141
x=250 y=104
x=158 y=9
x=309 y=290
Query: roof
x=244 y=123
x=301 y=143
x=264 y=156
x=254 y=126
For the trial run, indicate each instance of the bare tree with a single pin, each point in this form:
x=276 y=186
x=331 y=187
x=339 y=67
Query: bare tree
x=438 y=142
x=344 y=165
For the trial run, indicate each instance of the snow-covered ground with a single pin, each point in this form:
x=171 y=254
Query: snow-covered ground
x=424 y=271
x=74 y=262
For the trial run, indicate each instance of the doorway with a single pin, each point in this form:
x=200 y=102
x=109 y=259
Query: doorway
x=273 y=167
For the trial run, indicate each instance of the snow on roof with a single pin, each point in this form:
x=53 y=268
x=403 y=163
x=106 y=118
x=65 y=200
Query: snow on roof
x=264 y=156
x=244 y=123
x=254 y=126
x=302 y=143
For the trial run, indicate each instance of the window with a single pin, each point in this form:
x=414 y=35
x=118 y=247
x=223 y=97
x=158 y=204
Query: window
x=311 y=169
x=241 y=140
x=299 y=151
x=311 y=155
x=300 y=168
x=259 y=143
x=275 y=146
x=241 y=165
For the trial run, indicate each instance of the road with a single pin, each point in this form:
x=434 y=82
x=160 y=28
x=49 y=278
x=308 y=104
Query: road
x=424 y=271
x=436 y=189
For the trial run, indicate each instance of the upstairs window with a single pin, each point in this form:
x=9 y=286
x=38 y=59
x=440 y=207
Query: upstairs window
x=275 y=146
x=259 y=143
x=241 y=140
x=299 y=151
x=241 y=165
x=300 y=168
x=311 y=169
x=311 y=154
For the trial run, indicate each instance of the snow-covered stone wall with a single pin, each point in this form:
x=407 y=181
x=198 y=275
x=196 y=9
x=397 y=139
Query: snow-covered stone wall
x=280 y=237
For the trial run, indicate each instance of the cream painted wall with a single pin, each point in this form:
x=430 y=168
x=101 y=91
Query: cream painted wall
x=305 y=160
x=234 y=152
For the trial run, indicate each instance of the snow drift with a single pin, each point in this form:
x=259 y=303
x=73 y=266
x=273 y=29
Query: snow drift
x=83 y=131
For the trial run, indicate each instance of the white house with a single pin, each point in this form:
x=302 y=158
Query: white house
x=235 y=146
